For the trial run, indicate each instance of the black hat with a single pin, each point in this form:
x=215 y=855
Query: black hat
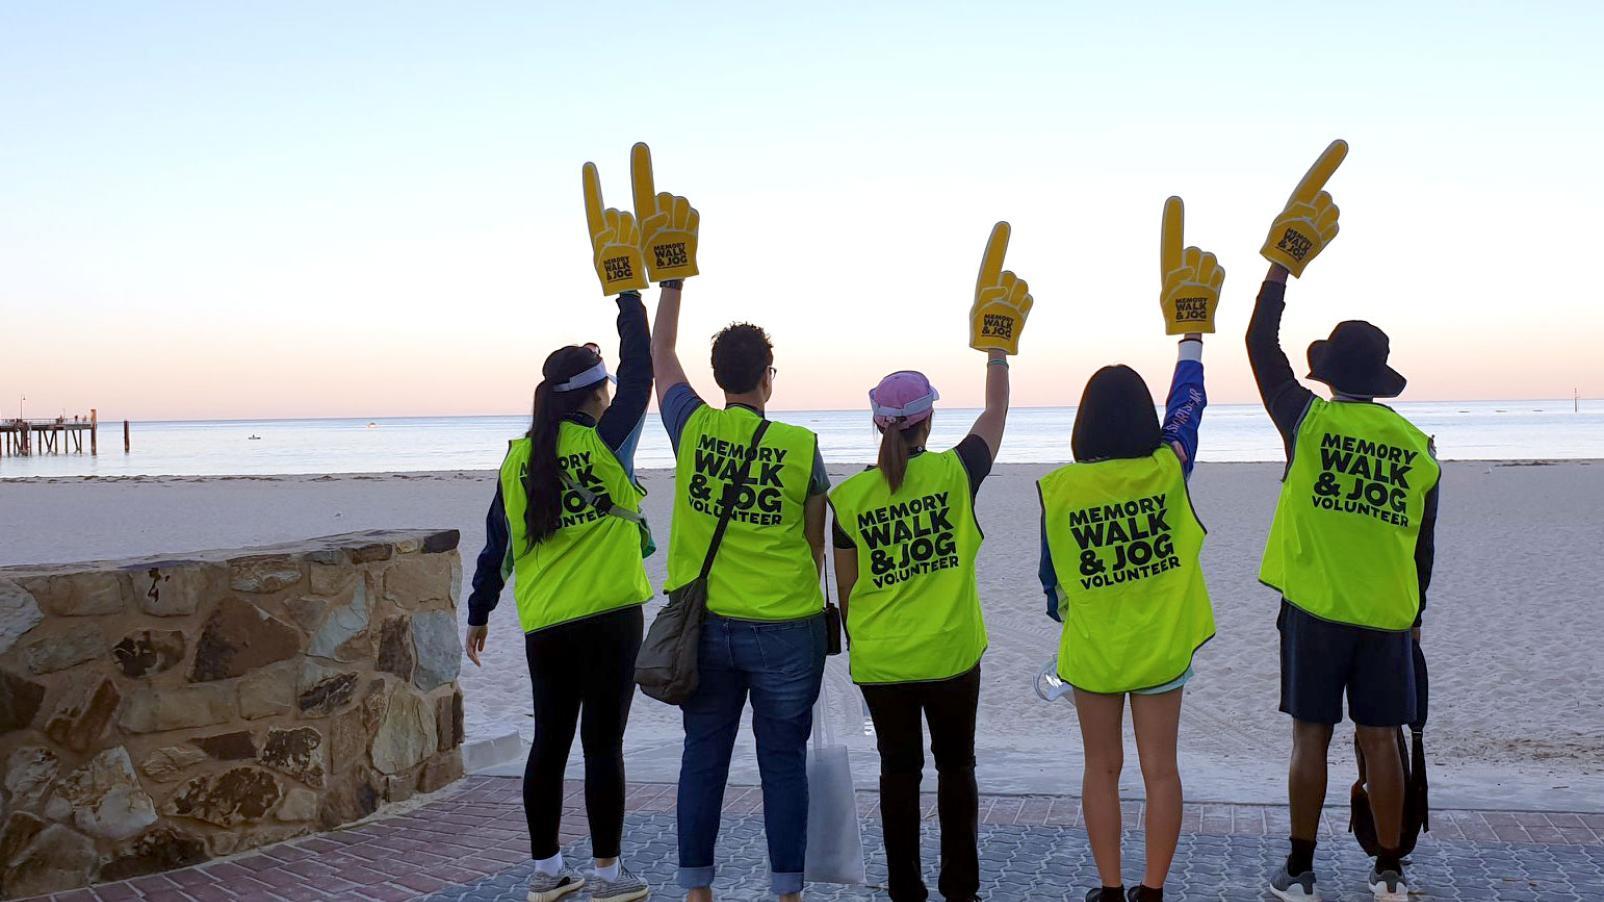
x=1353 y=361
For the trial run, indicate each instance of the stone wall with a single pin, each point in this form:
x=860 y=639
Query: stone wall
x=156 y=713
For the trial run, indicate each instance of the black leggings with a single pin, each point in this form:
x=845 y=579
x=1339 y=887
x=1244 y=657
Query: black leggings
x=949 y=707
x=583 y=673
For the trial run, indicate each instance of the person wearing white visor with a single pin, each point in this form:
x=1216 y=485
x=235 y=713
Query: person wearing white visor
x=566 y=525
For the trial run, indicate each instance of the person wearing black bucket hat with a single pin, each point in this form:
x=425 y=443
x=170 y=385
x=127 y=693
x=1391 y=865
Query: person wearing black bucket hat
x=1353 y=361
x=1351 y=548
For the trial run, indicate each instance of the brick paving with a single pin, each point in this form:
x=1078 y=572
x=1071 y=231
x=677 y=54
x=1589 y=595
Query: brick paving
x=471 y=844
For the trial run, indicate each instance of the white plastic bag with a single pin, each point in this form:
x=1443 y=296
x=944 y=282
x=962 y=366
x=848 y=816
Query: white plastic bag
x=835 y=839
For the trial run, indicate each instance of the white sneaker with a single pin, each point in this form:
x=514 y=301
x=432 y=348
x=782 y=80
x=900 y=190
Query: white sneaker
x=1389 y=886
x=550 y=888
x=626 y=887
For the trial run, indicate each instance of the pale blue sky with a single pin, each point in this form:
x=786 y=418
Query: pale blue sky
x=215 y=210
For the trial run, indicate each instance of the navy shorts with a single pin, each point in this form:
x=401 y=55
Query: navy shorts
x=1321 y=660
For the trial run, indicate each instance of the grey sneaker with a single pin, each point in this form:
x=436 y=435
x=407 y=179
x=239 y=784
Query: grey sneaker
x=1389 y=886
x=547 y=888
x=626 y=887
x=1294 y=889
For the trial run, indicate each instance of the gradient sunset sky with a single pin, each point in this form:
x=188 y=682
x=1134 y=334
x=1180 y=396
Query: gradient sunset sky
x=228 y=210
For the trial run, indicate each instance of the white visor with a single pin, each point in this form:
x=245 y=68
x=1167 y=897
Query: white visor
x=586 y=379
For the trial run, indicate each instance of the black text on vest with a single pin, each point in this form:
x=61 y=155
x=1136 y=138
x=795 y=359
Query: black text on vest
x=759 y=499
x=1123 y=542
x=909 y=538
x=1358 y=476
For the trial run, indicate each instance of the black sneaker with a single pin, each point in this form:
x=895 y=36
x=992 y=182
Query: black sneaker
x=1294 y=889
x=1389 y=885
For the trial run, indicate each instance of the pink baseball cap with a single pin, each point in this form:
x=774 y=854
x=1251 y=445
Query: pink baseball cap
x=902 y=399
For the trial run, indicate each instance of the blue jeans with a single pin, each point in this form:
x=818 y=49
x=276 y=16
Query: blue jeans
x=780 y=665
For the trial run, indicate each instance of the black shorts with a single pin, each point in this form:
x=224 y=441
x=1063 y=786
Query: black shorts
x=1320 y=660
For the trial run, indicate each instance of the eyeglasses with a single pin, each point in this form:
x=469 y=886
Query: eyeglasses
x=773 y=372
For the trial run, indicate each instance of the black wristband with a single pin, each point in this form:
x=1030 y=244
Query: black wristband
x=675 y=284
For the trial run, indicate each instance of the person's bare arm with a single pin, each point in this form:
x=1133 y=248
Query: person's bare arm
x=846 y=576
x=813 y=525
x=665 y=334
x=989 y=425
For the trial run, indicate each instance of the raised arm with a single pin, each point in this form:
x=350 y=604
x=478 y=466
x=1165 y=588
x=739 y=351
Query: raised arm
x=1284 y=397
x=989 y=425
x=665 y=336
x=621 y=418
x=1183 y=410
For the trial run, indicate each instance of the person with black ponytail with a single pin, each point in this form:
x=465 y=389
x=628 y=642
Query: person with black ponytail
x=566 y=523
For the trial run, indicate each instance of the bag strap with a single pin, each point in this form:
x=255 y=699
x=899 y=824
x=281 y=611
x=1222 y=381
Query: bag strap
x=730 y=490
x=605 y=505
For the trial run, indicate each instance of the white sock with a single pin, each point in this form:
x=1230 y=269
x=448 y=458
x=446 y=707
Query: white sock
x=552 y=866
x=611 y=871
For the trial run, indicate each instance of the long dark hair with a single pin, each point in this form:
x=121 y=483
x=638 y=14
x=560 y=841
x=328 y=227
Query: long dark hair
x=1116 y=417
x=542 y=480
x=897 y=444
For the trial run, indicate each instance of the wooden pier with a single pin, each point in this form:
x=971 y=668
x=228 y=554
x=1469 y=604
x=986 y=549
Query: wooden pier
x=24 y=438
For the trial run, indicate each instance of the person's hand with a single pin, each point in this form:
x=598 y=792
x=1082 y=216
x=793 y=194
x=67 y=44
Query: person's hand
x=1309 y=221
x=614 y=240
x=668 y=224
x=1191 y=279
x=475 y=643
x=1002 y=300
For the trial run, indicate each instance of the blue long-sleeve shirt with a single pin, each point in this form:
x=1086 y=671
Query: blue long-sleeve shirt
x=1183 y=413
x=619 y=428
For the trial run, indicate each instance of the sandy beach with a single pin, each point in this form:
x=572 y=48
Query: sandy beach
x=1512 y=631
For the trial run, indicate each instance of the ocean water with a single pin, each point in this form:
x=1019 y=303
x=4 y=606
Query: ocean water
x=1465 y=430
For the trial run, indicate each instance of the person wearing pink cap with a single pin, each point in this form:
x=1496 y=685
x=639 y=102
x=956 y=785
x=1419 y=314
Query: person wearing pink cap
x=905 y=541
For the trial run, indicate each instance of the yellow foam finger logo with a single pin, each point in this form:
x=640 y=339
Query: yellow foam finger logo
x=668 y=224
x=1190 y=279
x=614 y=240
x=1309 y=221
x=1002 y=300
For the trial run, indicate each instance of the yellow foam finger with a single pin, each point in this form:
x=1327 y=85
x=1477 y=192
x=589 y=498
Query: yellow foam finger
x=593 y=199
x=1169 y=250
x=1320 y=172
x=640 y=178
x=1192 y=258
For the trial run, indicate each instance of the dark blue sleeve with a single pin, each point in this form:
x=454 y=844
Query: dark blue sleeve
x=1049 y=576
x=622 y=418
x=679 y=402
x=626 y=452
x=1183 y=413
x=488 y=578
